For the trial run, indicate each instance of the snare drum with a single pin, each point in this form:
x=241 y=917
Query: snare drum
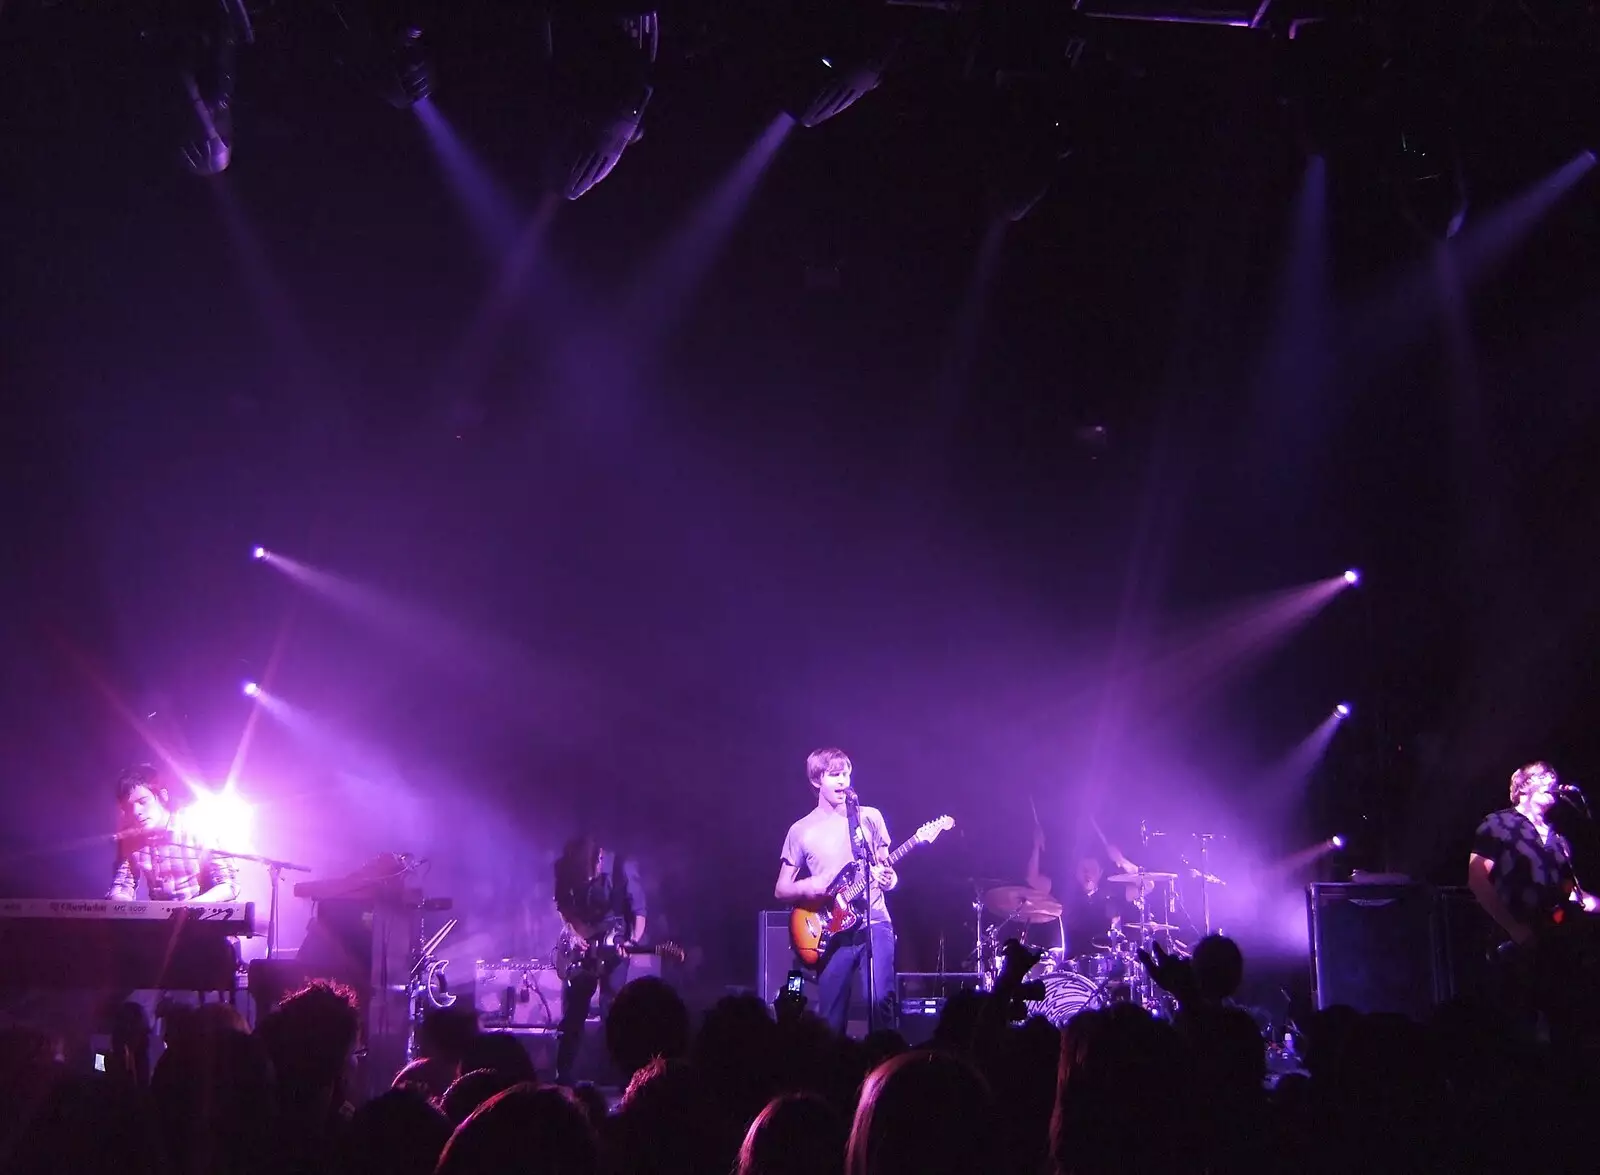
x=1065 y=995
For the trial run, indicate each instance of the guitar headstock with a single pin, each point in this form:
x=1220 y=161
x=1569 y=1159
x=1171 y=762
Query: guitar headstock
x=670 y=950
x=930 y=831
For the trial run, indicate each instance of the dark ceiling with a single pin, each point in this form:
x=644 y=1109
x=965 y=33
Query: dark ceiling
x=1136 y=295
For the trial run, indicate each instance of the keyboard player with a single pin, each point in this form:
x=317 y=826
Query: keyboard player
x=154 y=845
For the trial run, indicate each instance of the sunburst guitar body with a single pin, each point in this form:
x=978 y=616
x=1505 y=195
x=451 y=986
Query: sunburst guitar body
x=814 y=924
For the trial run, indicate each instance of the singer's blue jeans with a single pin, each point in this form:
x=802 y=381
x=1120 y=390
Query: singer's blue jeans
x=844 y=975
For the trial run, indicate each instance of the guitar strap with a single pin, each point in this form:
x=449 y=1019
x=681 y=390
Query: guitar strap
x=858 y=835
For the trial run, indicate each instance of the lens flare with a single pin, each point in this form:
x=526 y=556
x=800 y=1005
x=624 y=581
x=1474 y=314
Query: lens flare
x=258 y=552
x=221 y=819
x=1342 y=709
x=1352 y=577
x=1336 y=842
x=251 y=689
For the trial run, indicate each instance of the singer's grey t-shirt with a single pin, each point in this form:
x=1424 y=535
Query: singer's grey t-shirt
x=818 y=845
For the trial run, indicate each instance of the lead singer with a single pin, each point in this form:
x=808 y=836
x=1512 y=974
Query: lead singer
x=822 y=843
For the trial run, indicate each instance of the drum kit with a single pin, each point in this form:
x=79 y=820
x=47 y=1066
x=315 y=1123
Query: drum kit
x=1070 y=977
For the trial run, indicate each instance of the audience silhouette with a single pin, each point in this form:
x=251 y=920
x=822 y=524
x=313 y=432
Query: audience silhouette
x=757 y=1090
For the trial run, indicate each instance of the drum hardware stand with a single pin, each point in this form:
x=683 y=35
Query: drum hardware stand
x=421 y=993
x=977 y=911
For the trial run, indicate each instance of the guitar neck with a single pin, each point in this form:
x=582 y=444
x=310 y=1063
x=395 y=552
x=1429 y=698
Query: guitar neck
x=903 y=850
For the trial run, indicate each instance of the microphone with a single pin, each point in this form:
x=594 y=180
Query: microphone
x=850 y=796
x=1567 y=789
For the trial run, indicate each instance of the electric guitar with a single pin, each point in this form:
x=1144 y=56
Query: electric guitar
x=816 y=922
x=585 y=951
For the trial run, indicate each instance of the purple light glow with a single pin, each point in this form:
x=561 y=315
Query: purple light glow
x=251 y=689
x=258 y=553
x=1336 y=842
x=1352 y=577
x=1342 y=709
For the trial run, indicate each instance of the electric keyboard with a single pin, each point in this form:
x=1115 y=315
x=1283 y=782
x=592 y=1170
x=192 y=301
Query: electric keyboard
x=229 y=919
x=55 y=944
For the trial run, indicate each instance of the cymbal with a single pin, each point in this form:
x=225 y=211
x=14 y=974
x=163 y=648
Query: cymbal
x=1136 y=878
x=1018 y=903
x=1150 y=926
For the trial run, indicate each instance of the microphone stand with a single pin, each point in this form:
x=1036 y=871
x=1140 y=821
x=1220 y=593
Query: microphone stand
x=852 y=804
x=275 y=870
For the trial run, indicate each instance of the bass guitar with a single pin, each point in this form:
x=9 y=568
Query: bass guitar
x=585 y=951
x=815 y=923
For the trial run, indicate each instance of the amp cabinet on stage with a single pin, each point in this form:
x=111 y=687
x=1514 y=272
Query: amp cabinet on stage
x=921 y=997
x=1375 y=948
x=518 y=993
x=776 y=957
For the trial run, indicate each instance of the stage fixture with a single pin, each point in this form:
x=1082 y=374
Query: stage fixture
x=389 y=52
x=840 y=86
x=1429 y=183
x=1418 y=122
x=1030 y=141
x=1241 y=14
x=600 y=68
x=205 y=44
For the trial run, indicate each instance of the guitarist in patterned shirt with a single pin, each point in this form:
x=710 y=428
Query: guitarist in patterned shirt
x=1520 y=870
x=598 y=894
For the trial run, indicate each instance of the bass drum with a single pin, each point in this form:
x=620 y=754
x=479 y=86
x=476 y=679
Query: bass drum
x=1065 y=995
x=992 y=964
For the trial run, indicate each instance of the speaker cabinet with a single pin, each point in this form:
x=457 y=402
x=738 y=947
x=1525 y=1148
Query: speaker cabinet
x=1375 y=948
x=776 y=957
x=518 y=993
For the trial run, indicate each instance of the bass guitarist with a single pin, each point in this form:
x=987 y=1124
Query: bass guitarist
x=820 y=844
x=596 y=892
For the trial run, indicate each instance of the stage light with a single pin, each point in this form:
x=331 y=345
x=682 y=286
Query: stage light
x=251 y=689
x=1425 y=167
x=409 y=77
x=222 y=818
x=839 y=88
x=1336 y=842
x=207 y=50
x=592 y=145
x=392 y=55
x=601 y=65
x=1026 y=149
x=1352 y=577
x=1342 y=709
x=258 y=552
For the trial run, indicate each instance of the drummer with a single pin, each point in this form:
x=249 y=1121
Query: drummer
x=1092 y=913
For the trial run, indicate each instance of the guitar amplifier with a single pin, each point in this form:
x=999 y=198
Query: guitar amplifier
x=1375 y=947
x=518 y=993
x=775 y=956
